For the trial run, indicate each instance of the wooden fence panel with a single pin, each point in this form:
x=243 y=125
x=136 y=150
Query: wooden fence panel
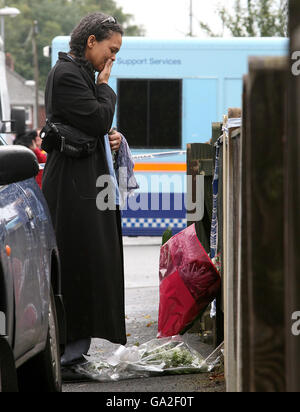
x=243 y=308
x=292 y=184
x=200 y=161
x=231 y=169
x=264 y=164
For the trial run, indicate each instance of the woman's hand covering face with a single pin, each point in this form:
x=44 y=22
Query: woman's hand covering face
x=104 y=75
x=103 y=54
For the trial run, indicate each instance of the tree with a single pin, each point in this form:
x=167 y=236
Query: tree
x=55 y=18
x=253 y=18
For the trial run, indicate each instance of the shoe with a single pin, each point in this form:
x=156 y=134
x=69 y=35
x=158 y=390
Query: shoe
x=69 y=374
x=80 y=361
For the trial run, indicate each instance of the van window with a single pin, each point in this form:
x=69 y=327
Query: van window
x=150 y=112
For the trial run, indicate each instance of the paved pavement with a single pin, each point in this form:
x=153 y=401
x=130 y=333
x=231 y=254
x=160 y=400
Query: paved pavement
x=142 y=302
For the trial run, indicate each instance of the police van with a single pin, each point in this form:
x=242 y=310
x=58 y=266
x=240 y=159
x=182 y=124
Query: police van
x=169 y=93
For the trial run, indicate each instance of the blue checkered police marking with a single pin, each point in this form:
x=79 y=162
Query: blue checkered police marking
x=154 y=223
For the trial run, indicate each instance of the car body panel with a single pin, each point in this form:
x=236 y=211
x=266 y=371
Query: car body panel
x=27 y=244
x=30 y=291
x=9 y=286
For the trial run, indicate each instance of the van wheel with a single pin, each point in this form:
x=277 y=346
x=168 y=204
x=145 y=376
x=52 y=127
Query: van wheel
x=42 y=373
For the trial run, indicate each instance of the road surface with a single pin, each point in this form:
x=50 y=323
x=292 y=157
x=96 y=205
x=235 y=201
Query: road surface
x=142 y=303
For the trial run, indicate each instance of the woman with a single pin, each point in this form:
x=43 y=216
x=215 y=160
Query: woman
x=89 y=240
x=28 y=139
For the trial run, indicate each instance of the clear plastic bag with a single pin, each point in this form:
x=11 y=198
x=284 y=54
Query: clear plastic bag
x=167 y=356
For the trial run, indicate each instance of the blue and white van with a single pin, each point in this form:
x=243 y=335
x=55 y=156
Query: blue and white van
x=169 y=93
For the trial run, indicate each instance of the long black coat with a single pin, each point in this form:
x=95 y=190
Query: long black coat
x=89 y=240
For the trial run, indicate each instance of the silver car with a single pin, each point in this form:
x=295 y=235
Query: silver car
x=31 y=309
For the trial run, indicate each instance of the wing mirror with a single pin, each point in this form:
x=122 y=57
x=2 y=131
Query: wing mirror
x=17 y=163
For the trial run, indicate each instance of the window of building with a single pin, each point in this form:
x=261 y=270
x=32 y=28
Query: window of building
x=150 y=113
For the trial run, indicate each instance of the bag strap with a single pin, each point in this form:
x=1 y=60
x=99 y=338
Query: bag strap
x=49 y=96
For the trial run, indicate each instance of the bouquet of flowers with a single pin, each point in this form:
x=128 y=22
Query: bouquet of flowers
x=189 y=282
x=168 y=356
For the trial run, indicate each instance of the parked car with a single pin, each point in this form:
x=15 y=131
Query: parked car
x=31 y=309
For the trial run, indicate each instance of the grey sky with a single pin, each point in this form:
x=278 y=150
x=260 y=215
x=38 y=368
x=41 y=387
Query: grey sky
x=170 y=18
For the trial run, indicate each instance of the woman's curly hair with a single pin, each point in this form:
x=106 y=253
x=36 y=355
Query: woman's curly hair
x=91 y=24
